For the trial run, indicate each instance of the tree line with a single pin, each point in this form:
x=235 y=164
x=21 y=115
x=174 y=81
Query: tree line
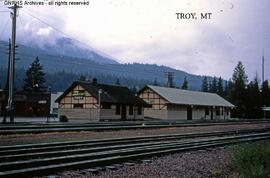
x=249 y=97
x=34 y=79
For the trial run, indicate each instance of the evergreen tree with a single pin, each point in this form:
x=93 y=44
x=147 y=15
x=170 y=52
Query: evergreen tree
x=185 y=84
x=253 y=100
x=265 y=93
x=204 y=85
x=225 y=94
x=213 y=87
x=155 y=82
x=134 y=89
x=238 y=94
x=220 y=90
x=117 y=82
x=82 y=78
x=229 y=90
x=35 y=78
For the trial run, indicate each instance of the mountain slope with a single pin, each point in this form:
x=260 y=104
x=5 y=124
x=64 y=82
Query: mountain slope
x=56 y=63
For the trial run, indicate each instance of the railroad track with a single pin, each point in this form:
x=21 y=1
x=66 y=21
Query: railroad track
x=47 y=158
x=35 y=129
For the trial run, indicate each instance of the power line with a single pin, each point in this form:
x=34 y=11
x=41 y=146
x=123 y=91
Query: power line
x=5 y=27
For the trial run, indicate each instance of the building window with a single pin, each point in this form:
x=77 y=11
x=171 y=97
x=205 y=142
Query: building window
x=106 y=106
x=130 y=110
x=139 y=110
x=78 y=106
x=117 y=110
x=218 y=111
x=207 y=111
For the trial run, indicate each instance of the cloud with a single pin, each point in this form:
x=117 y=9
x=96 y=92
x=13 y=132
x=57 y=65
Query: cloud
x=148 y=32
x=44 y=31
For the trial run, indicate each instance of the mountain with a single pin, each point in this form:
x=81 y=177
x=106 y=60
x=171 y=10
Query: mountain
x=76 y=60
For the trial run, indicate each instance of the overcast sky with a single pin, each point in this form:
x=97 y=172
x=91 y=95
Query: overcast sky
x=147 y=31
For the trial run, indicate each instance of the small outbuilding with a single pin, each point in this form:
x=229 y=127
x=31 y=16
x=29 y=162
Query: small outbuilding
x=91 y=101
x=27 y=104
x=178 y=104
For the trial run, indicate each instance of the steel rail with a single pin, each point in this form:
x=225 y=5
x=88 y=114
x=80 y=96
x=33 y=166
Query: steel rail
x=101 y=149
x=46 y=166
x=44 y=147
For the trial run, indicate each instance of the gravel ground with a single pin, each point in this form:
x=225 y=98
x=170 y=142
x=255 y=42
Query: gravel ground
x=210 y=163
x=195 y=164
x=75 y=136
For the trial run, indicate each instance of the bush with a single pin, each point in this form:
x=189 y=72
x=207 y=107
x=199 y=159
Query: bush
x=252 y=160
x=63 y=118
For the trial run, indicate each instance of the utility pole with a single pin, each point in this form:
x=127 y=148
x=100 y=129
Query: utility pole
x=10 y=104
x=169 y=76
x=263 y=66
x=6 y=86
x=263 y=82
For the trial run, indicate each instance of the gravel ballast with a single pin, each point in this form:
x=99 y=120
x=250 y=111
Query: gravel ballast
x=196 y=164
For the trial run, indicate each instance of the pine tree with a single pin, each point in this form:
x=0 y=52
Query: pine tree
x=253 y=100
x=213 y=87
x=220 y=90
x=35 y=78
x=134 y=89
x=185 y=84
x=228 y=90
x=265 y=93
x=238 y=94
x=82 y=78
x=204 y=85
x=117 y=82
x=155 y=82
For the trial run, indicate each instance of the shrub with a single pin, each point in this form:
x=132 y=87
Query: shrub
x=252 y=160
x=63 y=118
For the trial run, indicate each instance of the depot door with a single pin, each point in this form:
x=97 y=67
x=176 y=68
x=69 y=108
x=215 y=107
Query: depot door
x=189 y=113
x=124 y=112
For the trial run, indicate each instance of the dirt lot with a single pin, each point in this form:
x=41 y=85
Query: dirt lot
x=75 y=136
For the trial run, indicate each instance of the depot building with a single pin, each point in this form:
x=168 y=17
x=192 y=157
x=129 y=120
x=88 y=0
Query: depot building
x=178 y=104
x=92 y=101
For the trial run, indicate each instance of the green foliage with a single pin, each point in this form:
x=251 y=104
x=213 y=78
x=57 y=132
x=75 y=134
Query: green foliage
x=117 y=82
x=265 y=93
x=155 y=83
x=213 y=86
x=239 y=75
x=252 y=160
x=253 y=100
x=82 y=78
x=220 y=90
x=185 y=84
x=35 y=78
x=238 y=93
x=204 y=84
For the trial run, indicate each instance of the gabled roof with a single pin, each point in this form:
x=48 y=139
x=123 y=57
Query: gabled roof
x=110 y=93
x=186 y=97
